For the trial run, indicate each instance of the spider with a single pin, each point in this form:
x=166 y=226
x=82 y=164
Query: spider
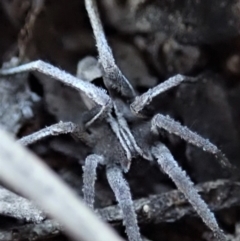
x=119 y=115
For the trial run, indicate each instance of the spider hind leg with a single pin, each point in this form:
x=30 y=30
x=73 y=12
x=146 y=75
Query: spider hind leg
x=174 y=127
x=185 y=185
x=123 y=195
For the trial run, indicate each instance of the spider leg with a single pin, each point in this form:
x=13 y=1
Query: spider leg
x=123 y=195
x=184 y=184
x=53 y=130
x=113 y=77
x=89 y=178
x=143 y=100
x=174 y=127
x=98 y=95
x=78 y=131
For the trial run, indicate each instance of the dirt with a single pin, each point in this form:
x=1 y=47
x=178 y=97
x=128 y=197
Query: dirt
x=151 y=41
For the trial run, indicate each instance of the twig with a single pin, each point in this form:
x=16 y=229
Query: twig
x=18 y=207
x=171 y=206
x=26 y=32
x=29 y=175
x=167 y=207
x=46 y=229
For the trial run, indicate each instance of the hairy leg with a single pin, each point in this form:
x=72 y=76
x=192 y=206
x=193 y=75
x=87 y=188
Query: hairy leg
x=113 y=77
x=78 y=131
x=143 y=100
x=53 y=130
x=89 y=178
x=123 y=196
x=185 y=185
x=174 y=127
x=98 y=95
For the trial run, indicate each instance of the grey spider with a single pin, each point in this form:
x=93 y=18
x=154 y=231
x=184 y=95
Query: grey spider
x=131 y=134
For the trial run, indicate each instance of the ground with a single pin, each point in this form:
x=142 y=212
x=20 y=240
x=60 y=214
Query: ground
x=151 y=42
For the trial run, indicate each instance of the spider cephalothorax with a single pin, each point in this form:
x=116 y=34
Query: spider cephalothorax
x=117 y=131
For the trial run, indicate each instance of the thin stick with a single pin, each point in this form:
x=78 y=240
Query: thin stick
x=25 y=172
x=13 y=205
x=26 y=32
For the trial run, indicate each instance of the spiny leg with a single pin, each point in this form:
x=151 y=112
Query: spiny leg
x=78 y=131
x=98 y=95
x=174 y=127
x=143 y=100
x=184 y=184
x=123 y=196
x=89 y=178
x=113 y=77
x=53 y=130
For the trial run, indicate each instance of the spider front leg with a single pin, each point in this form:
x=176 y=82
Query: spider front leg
x=143 y=100
x=174 y=127
x=112 y=75
x=89 y=178
x=184 y=184
x=123 y=195
x=98 y=95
